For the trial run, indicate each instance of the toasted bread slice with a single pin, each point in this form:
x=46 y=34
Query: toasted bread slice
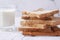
x=57 y=33
x=35 y=29
x=40 y=14
x=54 y=22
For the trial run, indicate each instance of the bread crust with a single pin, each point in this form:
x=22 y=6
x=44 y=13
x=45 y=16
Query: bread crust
x=57 y=33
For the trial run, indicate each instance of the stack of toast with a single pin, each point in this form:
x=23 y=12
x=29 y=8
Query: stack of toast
x=40 y=23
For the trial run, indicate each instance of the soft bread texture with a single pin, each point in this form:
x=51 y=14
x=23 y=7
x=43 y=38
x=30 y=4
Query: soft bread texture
x=35 y=29
x=41 y=26
x=39 y=14
x=54 y=22
x=27 y=17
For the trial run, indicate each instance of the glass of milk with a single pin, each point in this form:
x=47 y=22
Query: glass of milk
x=7 y=17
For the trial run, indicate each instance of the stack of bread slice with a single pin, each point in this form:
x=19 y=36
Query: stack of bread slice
x=40 y=23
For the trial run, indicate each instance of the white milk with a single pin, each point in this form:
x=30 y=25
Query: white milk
x=1 y=19
x=7 y=17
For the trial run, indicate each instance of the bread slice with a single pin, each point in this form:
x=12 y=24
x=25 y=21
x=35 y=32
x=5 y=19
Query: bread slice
x=35 y=29
x=40 y=14
x=57 y=33
x=33 y=24
x=38 y=34
x=54 y=22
